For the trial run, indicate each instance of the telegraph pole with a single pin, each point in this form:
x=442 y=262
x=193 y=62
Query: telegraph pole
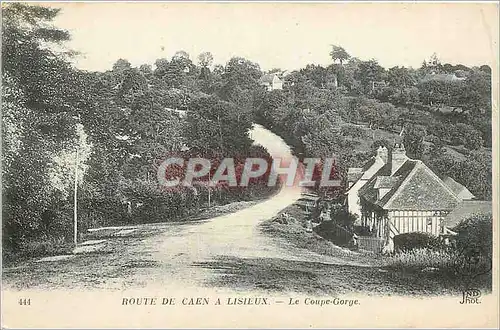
x=209 y=190
x=75 y=212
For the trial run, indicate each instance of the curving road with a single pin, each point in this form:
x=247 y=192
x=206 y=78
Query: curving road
x=174 y=254
x=226 y=253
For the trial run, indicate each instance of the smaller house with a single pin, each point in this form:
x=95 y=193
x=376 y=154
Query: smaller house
x=450 y=77
x=378 y=85
x=271 y=81
x=466 y=210
x=459 y=189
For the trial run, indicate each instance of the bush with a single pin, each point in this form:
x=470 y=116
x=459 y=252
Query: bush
x=332 y=232
x=344 y=218
x=38 y=248
x=411 y=241
x=476 y=231
x=353 y=131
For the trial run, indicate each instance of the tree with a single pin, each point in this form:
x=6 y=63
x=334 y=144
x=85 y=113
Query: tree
x=146 y=70
x=180 y=54
x=121 y=65
x=41 y=97
x=486 y=69
x=215 y=127
x=400 y=77
x=476 y=93
x=474 y=172
x=339 y=53
x=434 y=63
x=369 y=72
x=239 y=80
x=467 y=135
x=205 y=59
x=413 y=140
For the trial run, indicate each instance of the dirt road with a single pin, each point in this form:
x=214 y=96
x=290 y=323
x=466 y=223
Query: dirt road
x=227 y=252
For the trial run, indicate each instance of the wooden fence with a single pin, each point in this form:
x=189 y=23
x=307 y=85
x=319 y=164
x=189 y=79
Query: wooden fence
x=373 y=244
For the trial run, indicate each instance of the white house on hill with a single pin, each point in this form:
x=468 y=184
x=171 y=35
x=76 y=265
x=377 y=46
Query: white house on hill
x=271 y=81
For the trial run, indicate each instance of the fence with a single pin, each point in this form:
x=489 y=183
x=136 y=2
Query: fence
x=343 y=236
x=373 y=244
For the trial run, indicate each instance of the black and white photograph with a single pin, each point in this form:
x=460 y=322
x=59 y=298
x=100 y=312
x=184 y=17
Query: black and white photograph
x=249 y=164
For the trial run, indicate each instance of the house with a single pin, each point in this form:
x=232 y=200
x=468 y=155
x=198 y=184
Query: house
x=450 y=77
x=378 y=85
x=393 y=194
x=466 y=210
x=358 y=177
x=271 y=81
x=459 y=190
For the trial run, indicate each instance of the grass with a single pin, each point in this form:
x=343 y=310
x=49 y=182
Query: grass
x=419 y=259
x=422 y=271
x=364 y=144
x=320 y=279
x=50 y=246
x=295 y=233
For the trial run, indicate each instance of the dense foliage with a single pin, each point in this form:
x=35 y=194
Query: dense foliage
x=476 y=232
x=125 y=121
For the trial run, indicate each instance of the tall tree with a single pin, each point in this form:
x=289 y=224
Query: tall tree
x=41 y=98
x=339 y=53
x=205 y=59
x=369 y=72
x=413 y=139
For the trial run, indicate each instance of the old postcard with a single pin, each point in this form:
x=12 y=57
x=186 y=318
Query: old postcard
x=249 y=164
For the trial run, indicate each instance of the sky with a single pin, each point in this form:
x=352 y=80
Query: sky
x=281 y=35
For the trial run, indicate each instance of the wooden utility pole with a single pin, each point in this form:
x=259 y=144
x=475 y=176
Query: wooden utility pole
x=209 y=190
x=75 y=212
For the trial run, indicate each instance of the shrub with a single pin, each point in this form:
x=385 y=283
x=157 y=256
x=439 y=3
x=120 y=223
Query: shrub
x=410 y=241
x=353 y=131
x=332 y=232
x=417 y=259
x=344 y=218
x=476 y=231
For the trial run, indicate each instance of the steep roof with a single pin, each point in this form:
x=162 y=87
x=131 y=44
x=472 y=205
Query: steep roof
x=412 y=187
x=385 y=182
x=368 y=164
x=466 y=210
x=354 y=174
x=459 y=189
x=268 y=78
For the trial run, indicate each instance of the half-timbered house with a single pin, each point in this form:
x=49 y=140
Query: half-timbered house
x=401 y=195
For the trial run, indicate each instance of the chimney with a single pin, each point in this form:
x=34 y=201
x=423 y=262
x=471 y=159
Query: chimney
x=398 y=157
x=383 y=153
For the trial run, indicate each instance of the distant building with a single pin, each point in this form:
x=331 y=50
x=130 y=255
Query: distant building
x=450 y=77
x=393 y=194
x=271 y=81
x=378 y=85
